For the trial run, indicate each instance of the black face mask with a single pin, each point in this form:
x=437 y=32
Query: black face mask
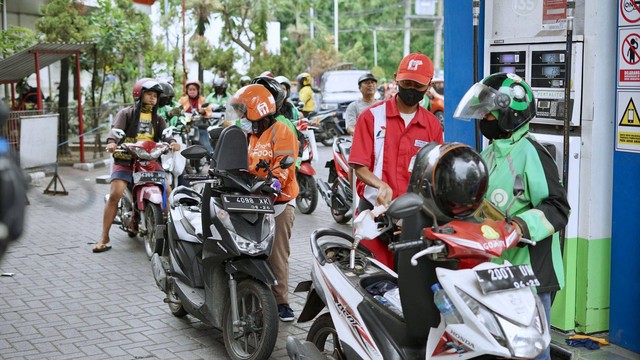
x=410 y=96
x=490 y=129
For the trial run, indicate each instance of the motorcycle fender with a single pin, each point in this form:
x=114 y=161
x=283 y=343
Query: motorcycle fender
x=306 y=169
x=312 y=306
x=256 y=268
x=152 y=193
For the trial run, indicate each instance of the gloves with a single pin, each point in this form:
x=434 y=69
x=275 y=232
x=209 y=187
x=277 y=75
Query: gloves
x=276 y=185
x=175 y=111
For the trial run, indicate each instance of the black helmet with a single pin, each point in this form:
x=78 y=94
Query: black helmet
x=507 y=96
x=274 y=88
x=452 y=179
x=167 y=94
x=365 y=77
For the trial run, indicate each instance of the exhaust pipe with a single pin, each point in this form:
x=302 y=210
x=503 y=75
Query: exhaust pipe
x=160 y=267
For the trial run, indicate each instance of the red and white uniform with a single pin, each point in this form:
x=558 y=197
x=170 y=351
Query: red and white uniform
x=387 y=147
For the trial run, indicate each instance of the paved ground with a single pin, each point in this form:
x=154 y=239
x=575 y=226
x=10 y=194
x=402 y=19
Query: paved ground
x=64 y=302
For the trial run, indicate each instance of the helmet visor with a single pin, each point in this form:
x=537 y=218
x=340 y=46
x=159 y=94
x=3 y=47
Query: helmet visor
x=477 y=102
x=239 y=109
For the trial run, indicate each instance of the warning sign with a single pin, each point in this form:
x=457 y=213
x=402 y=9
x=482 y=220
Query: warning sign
x=629 y=57
x=628 y=124
x=629 y=12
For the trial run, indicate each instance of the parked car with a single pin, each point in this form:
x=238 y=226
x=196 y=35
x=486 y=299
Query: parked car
x=339 y=86
x=436 y=97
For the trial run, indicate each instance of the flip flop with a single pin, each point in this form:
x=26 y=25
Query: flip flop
x=101 y=248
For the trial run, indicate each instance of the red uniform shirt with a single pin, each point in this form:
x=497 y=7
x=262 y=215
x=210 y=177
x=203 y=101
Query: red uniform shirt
x=401 y=143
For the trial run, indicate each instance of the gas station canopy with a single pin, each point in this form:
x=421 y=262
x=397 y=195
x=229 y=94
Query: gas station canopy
x=22 y=64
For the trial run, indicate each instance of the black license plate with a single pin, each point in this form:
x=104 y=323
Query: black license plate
x=506 y=278
x=149 y=176
x=260 y=204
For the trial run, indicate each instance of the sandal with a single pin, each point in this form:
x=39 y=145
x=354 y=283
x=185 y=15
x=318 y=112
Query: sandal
x=100 y=247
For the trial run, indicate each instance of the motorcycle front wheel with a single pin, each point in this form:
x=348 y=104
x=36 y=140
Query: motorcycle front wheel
x=255 y=337
x=324 y=336
x=307 y=199
x=152 y=217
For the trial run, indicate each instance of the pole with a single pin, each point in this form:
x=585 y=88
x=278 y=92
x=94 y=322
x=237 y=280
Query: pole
x=335 y=24
x=39 y=92
x=407 y=27
x=437 y=53
x=476 y=23
x=184 y=51
x=375 y=48
x=80 y=119
x=312 y=34
x=567 y=99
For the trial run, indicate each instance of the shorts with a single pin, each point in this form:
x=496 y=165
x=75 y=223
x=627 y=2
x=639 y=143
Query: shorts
x=123 y=172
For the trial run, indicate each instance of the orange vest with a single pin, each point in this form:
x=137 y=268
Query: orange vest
x=273 y=145
x=186 y=105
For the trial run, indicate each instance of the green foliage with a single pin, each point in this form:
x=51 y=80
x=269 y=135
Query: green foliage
x=15 y=39
x=62 y=22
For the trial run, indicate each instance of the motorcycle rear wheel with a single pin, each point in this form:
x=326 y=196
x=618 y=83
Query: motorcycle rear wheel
x=258 y=312
x=153 y=217
x=338 y=210
x=324 y=336
x=307 y=199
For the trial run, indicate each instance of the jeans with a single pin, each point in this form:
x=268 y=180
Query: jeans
x=204 y=139
x=545 y=299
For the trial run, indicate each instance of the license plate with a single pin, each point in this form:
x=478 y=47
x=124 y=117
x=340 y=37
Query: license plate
x=506 y=278
x=149 y=176
x=260 y=204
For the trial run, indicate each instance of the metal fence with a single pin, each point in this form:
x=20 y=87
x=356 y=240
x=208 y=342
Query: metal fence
x=96 y=123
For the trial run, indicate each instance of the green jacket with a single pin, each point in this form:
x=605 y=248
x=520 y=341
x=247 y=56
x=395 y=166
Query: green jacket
x=544 y=209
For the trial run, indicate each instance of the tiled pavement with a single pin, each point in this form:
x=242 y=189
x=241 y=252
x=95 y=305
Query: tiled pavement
x=64 y=302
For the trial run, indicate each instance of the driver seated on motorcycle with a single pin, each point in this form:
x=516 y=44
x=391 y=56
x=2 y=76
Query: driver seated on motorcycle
x=219 y=98
x=504 y=103
x=305 y=92
x=193 y=102
x=272 y=140
x=140 y=122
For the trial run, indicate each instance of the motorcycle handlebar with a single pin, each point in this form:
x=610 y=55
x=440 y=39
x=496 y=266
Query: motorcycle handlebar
x=407 y=244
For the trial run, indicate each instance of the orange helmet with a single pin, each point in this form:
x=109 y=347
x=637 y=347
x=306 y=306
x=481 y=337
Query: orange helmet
x=253 y=102
x=137 y=88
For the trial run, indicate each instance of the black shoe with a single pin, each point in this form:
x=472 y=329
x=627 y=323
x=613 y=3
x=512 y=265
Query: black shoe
x=285 y=313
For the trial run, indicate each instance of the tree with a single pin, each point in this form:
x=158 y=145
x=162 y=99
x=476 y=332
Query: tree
x=15 y=39
x=61 y=22
x=202 y=11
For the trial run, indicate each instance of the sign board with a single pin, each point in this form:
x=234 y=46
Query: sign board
x=628 y=13
x=628 y=121
x=629 y=57
x=554 y=14
x=38 y=140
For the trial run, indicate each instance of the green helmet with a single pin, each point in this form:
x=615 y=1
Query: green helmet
x=507 y=96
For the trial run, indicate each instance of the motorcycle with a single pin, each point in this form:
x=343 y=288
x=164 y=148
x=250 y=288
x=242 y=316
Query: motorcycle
x=328 y=124
x=338 y=192
x=307 y=199
x=214 y=263
x=197 y=122
x=485 y=309
x=142 y=204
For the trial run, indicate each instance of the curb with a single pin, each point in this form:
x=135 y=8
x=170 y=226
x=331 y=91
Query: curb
x=37 y=175
x=93 y=165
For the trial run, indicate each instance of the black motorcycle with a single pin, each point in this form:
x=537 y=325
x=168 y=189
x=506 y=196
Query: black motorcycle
x=214 y=264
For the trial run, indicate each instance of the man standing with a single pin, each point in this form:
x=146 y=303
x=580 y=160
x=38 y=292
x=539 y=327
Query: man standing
x=367 y=85
x=390 y=133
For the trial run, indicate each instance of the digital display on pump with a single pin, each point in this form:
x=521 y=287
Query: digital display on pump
x=551 y=58
x=547 y=69
x=551 y=71
x=509 y=58
x=508 y=69
x=509 y=62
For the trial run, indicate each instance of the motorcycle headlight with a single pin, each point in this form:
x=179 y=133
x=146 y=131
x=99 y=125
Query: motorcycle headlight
x=485 y=316
x=245 y=245
x=524 y=342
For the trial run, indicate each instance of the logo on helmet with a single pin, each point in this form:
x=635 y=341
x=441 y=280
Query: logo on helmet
x=263 y=109
x=413 y=65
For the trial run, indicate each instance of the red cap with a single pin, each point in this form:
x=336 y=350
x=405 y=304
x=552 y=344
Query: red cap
x=417 y=67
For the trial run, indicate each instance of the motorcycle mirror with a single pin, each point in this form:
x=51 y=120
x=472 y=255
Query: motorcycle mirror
x=286 y=162
x=118 y=133
x=195 y=152
x=405 y=206
x=518 y=190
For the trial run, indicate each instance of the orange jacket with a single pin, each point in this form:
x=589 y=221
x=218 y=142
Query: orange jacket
x=186 y=105
x=273 y=145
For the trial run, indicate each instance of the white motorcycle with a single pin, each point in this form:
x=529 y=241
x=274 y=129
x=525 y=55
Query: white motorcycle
x=174 y=163
x=489 y=310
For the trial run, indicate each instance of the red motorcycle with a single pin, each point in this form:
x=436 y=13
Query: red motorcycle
x=337 y=192
x=142 y=205
x=307 y=199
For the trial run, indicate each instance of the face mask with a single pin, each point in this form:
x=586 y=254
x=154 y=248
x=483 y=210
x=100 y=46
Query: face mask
x=246 y=126
x=410 y=96
x=490 y=129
